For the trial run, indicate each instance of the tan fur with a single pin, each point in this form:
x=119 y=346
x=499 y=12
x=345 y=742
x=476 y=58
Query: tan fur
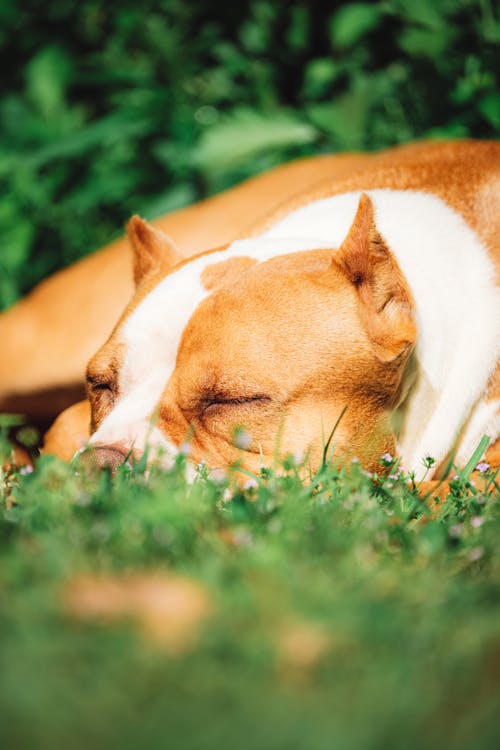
x=154 y=252
x=69 y=432
x=226 y=272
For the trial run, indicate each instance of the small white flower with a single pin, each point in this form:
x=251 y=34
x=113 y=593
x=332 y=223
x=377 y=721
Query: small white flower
x=185 y=448
x=219 y=476
x=250 y=484
x=476 y=553
x=476 y=521
x=274 y=526
x=83 y=499
x=456 y=530
x=242 y=538
x=243 y=440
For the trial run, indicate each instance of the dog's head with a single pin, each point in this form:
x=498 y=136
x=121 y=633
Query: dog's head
x=261 y=348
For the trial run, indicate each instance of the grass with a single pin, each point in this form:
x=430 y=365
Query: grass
x=344 y=612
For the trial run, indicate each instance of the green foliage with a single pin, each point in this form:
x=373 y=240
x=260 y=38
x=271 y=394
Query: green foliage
x=113 y=108
x=247 y=133
x=352 y=23
x=407 y=601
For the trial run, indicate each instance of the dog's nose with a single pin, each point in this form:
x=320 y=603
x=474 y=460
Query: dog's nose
x=102 y=457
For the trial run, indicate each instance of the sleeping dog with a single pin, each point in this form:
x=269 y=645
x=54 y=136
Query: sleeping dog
x=352 y=291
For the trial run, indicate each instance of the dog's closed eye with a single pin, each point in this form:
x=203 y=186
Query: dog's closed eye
x=101 y=392
x=94 y=384
x=223 y=401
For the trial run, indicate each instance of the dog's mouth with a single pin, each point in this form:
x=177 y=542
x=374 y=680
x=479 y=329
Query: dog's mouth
x=112 y=457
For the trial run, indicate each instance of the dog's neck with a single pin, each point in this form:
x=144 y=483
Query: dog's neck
x=458 y=307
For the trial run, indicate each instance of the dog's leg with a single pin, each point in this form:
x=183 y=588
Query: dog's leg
x=69 y=433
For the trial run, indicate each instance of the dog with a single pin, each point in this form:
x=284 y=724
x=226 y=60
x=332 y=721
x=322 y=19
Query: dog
x=363 y=299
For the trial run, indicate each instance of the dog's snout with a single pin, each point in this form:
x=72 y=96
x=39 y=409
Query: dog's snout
x=102 y=457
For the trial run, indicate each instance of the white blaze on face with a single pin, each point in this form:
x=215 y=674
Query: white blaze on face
x=151 y=337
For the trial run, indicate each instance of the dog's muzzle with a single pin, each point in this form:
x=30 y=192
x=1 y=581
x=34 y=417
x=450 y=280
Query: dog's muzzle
x=95 y=458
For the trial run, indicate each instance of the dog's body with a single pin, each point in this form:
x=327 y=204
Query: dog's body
x=369 y=282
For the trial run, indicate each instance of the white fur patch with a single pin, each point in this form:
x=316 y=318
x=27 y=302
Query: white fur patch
x=448 y=271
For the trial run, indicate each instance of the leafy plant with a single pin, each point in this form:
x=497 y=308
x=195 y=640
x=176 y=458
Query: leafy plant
x=111 y=109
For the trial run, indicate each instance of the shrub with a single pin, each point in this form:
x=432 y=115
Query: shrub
x=111 y=108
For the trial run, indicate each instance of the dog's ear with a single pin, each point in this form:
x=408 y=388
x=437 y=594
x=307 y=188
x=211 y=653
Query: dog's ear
x=385 y=301
x=154 y=251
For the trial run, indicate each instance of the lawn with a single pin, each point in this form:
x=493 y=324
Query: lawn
x=338 y=610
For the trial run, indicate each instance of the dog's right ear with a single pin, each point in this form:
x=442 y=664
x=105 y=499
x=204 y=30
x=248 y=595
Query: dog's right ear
x=154 y=251
x=386 y=305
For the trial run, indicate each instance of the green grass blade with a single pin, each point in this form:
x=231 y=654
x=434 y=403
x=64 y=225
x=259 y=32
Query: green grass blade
x=474 y=459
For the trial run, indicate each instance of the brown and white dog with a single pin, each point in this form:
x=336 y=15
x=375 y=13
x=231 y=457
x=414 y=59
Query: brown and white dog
x=366 y=294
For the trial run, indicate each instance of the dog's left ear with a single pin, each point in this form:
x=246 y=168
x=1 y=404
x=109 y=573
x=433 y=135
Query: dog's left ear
x=154 y=251
x=385 y=302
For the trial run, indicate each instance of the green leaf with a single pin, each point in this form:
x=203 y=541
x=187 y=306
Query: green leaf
x=99 y=133
x=11 y=420
x=319 y=75
x=172 y=199
x=475 y=458
x=244 y=134
x=47 y=76
x=352 y=22
x=344 y=119
x=426 y=42
x=450 y=130
x=17 y=236
x=298 y=31
x=489 y=107
x=424 y=12
x=9 y=291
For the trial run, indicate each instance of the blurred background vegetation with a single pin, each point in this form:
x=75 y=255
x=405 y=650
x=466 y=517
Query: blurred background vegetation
x=114 y=108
